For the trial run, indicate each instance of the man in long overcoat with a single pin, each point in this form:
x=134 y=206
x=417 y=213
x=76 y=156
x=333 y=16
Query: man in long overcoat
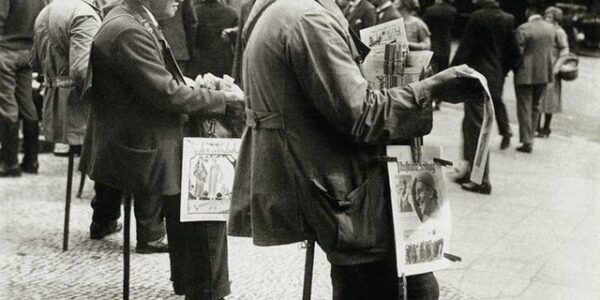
x=308 y=165
x=16 y=38
x=440 y=19
x=139 y=101
x=488 y=45
x=536 y=40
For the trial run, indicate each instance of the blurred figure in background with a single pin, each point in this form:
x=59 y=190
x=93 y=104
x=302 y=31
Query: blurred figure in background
x=536 y=40
x=385 y=11
x=236 y=71
x=360 y=15
x=488 y=45
x=551 y=100
x=440 y=19
x=16 y=38
x=180 y=32
x=417 y=31
x=212 y=53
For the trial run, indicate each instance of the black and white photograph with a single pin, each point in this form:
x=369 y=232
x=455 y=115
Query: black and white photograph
x=299 y=149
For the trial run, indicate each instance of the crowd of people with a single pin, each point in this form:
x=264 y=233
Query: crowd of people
x=124 y=81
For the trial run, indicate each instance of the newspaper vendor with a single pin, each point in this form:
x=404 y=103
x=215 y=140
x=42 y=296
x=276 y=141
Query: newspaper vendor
x=308 y=162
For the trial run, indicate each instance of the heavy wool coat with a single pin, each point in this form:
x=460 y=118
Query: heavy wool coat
x=308 y=161
x=63 y=36
x=488 y=45
x=138 y=105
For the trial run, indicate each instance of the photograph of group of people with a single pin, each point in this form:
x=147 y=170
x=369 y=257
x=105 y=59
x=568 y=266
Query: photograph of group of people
x=424 y=251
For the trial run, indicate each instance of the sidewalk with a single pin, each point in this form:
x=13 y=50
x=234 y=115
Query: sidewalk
x=535 y=237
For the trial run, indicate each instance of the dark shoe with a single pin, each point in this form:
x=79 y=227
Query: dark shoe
x=505 y=142
x=99 y=230
x=157 y=246
x=484 y=188
x=30 y=167
x=463 y=179
x=525 y=148
x=14 y=171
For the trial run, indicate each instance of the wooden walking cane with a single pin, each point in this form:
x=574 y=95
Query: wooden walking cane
x=68 y=200
x=308 y=269
x=126 y=250
x=81 y=185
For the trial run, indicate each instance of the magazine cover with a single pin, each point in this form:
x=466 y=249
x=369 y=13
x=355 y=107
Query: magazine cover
x=207 y=175
x=421 y=212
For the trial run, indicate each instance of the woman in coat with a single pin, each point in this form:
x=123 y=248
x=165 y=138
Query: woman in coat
x=417 y=32
x=551 y=101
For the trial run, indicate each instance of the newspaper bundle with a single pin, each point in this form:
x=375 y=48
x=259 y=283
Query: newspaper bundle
x=207 y=178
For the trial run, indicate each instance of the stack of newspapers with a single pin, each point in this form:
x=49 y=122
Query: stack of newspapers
x=390 y=63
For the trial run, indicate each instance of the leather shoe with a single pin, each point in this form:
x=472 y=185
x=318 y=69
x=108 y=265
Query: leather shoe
x=158 y=246
x=505 y=142
x=14 y=171
x=484 y=188
x=30 y=167
x=463 y=179
x=525 y=148
x=99 y=230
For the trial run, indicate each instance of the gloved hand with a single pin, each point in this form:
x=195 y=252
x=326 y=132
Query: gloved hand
x=453 y=85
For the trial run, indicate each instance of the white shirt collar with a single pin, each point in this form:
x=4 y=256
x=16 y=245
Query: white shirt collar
x=384 y=6
x=151 y=16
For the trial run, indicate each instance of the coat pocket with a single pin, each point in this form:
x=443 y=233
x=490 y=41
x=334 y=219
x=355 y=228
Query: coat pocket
x=355 y=216
x=136 y=168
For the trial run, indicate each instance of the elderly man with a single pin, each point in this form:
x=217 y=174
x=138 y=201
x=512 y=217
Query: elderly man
x=139 y=101
x=308 y=165
x=16 y=39
x=536 y=40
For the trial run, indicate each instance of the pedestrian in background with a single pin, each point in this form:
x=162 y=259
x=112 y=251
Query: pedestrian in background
x=551 y=101
x=440 y=19
x=488 y=45
x=238 y=54
x=16 y=39
x=417 y=32
x=212 y=53
x=139 y=102
x=385 y=11
x=180 y=32
x=536 y=40
x=360 y=15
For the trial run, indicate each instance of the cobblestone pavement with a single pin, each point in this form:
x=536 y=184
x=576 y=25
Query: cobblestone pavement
x=33 y=265
x=535 y=237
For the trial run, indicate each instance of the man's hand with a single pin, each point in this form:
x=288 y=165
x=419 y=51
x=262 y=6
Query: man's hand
x=454 y=85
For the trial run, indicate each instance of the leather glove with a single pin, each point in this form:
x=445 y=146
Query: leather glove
x=453 y=85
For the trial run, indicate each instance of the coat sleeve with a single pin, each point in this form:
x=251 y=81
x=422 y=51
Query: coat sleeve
x=140 y=65
x=512 y=54
x=82 y=32
x=319 y=52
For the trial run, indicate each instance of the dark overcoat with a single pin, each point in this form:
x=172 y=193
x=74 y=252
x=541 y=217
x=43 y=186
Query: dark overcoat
x=361 y=17
x=390 y=13
x=138 y=106
x=488 y=45
x=440 y=20
x=308 y=158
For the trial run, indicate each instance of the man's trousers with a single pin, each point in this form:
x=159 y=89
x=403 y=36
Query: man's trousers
x=148 y=211
x=528 y=109
x=471 y=128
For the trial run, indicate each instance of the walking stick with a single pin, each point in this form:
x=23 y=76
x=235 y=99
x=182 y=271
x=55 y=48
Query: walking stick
x=308 y=269
x=81 y=185
x=126 y=246
x=68 y=201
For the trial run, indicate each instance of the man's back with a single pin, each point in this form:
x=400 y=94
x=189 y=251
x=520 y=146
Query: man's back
x=536 y=40
x=440 y=19
x=488 y=44
x=16 y=22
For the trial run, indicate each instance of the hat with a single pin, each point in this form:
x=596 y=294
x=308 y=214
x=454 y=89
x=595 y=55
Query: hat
x=566 y=67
